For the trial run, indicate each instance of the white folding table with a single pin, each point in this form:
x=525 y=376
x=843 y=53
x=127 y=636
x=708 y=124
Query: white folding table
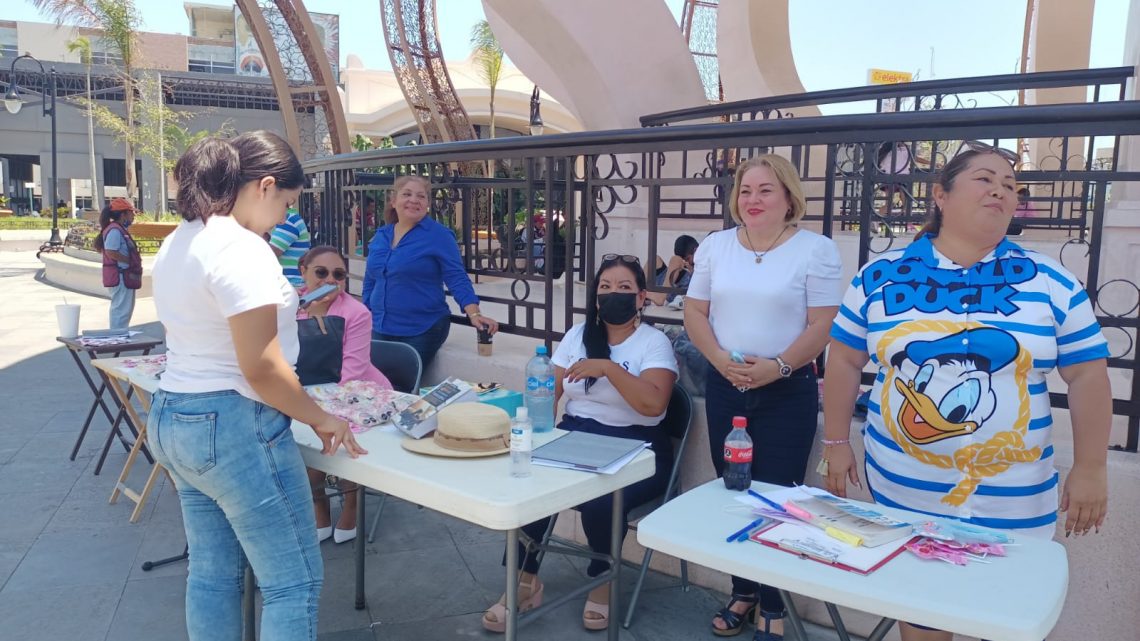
x=1015 y=598
x=480 y=491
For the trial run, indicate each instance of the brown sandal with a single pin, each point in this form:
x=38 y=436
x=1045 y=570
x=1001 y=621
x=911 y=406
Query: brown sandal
x=495 y=618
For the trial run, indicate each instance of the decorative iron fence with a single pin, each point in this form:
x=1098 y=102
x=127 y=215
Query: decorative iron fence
x=531 y=230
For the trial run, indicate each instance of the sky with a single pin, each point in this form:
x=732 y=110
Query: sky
x=930 y=38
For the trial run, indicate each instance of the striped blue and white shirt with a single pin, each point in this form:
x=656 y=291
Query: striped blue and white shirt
x=959 y=423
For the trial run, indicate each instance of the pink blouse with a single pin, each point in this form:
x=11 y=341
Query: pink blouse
x=356 y=364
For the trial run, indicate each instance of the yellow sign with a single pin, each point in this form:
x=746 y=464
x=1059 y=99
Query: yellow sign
x=887 y=77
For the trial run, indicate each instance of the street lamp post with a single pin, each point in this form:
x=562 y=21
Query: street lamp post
x=13 y=103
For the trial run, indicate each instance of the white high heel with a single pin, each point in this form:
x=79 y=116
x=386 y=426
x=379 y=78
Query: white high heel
x=323 y=533
x=343 y=536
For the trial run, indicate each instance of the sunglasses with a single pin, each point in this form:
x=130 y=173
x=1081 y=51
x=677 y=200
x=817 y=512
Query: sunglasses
x=981 y=147
x=625 y=258
x=337 y=274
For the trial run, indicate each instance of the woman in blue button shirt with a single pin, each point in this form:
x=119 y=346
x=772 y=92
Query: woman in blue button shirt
x=963 y=326
x=409 y=259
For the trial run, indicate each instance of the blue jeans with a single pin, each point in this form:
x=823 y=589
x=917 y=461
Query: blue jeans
x=245 y=495
x=425 y=344
x=782 y=419
x=122 y=305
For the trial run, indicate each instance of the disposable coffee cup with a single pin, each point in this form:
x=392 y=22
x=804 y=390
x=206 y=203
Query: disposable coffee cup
x=483 y=342
x=68 y=318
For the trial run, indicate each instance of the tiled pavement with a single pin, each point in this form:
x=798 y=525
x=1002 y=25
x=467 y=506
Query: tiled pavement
x=70 y=562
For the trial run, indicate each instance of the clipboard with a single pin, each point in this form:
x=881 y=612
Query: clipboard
x=808 y=542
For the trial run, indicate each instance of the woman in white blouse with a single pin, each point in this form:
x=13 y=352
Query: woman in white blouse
x=766 y=292
x=617 y=376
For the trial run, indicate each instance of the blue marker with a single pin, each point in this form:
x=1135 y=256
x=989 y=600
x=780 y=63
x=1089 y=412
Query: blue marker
x=767 y=501
x=742 y=534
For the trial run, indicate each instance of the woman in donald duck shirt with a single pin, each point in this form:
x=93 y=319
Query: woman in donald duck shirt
x=963 y=326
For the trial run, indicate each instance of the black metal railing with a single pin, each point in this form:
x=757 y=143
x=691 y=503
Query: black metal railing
x=611 y=191
x=929 y=95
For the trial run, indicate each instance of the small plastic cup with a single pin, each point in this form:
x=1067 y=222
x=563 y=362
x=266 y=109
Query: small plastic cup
x=68 y=318
x=483 y=342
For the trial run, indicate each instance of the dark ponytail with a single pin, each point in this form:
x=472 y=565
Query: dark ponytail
x=208 y=177
x=212 y=171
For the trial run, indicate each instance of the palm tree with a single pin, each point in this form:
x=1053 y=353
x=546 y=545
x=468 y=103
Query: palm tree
x=489 y=57
x=119 y=21
x=83 y=46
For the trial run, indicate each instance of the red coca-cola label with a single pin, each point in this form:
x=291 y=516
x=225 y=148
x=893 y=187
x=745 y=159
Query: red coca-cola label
x=737 y=454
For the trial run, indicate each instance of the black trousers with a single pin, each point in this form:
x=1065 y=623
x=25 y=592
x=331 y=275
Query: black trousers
x=782 y=420
x=596 y=514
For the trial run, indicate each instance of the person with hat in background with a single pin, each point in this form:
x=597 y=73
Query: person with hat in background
x=122 y=263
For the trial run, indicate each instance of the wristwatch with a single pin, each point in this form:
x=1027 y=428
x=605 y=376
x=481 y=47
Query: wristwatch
x=785 y=369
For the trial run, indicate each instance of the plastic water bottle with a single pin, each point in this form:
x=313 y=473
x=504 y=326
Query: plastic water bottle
x=539 y=395
x=521 y=445
x=738 y=456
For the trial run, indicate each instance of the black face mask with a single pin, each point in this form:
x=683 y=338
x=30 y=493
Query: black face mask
x=617 y=308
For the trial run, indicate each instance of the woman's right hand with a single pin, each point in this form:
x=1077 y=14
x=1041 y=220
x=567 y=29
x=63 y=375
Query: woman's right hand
x=335 y=432
x=840 y=468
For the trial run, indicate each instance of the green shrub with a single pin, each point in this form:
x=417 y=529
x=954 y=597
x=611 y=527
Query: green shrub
x=31 y=222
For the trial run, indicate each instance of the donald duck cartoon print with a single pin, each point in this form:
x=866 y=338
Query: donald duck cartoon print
x=947 y=390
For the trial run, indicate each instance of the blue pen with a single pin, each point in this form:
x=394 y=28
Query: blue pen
x=743 y=532
x=767 y=501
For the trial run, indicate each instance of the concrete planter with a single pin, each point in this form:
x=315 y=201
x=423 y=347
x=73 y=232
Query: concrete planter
x=6 y=212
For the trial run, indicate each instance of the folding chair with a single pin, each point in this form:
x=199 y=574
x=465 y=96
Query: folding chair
x=401 y=364
x=678 y=419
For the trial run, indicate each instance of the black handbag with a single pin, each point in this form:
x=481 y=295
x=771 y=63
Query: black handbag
x=321 y=341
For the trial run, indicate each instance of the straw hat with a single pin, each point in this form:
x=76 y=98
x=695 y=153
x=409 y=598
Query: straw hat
x=466 y=430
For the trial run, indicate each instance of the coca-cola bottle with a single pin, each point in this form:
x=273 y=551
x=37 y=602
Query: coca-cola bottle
x=738 y=456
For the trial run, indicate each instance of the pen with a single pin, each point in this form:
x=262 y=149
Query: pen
x=767 y=501
x=735 y=536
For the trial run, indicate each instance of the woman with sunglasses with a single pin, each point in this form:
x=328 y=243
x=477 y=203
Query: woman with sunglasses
x=759 y=305
x=964 y=326
x=324 y=265
x=617 y=377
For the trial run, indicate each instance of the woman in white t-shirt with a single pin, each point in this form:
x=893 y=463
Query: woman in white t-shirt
x=617 y=376
x=764 y=292
x=220 y=422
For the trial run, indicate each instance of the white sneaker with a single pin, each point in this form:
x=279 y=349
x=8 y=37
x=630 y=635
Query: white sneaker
x=676 y=303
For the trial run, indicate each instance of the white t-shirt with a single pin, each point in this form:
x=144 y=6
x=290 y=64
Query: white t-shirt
x=759 y=309
x=646 y=348
x=203 y=275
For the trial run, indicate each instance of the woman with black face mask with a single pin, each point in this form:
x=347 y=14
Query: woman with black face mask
x=617 y=376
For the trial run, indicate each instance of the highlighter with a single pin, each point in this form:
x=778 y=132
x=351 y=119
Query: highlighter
x=849 y=539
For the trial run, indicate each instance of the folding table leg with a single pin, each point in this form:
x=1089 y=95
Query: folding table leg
x=837 y=621
x=796 y=623
x=96 y=404
x=512 y=585
x=139 y=498
x=617 y=535
x=359 y=549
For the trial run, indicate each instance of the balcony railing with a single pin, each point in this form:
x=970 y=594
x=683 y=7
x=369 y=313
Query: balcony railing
x=584 y=183
x=930 y=95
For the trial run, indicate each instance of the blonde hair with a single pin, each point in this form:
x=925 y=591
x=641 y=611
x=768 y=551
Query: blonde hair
x=390 y=216
x=785 y=172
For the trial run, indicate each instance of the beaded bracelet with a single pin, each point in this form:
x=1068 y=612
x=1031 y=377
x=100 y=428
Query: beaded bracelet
x=838 y=441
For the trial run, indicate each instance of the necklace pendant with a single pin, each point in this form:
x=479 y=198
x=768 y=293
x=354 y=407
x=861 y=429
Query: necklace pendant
x=759 y=259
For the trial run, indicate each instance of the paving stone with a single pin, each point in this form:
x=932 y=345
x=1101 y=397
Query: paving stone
x=338 y=611
x=404 y=526
x=420 y=585
x=25 y=516
x=58 y=613
x=77 y=557
x=21 y=475
x=152 y=609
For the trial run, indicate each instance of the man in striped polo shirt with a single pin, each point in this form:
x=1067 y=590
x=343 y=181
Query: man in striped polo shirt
x=290 y=240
